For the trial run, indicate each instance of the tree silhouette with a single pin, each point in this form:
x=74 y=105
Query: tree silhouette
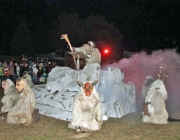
x=94 y=28
x=21 y=43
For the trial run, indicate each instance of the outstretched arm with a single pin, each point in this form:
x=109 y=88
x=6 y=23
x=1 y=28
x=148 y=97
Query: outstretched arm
x=79 y=49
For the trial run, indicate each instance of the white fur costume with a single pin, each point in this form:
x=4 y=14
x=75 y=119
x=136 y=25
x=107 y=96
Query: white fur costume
x=86 y=115
x=95 y=55
x=21 y=113
x=155 y=100
x=11 y=95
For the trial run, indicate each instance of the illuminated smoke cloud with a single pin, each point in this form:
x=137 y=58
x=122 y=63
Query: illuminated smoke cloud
x=141 y=65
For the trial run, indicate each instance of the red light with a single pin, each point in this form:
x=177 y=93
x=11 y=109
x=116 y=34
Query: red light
x=106 y=51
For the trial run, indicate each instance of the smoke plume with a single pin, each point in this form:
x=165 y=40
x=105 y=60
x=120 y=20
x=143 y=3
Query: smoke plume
x=140 y=65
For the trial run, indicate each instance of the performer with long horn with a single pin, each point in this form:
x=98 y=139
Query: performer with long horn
x=87 y=52
x=93 y=54
x=65 y=36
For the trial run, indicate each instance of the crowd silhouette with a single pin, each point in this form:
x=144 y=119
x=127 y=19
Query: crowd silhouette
x=13 y=69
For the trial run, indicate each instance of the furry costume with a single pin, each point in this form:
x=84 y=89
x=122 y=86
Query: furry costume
x=95 y=55
x=28 y=79
x=11 y=95
x=147 y=85
x=155 y=103
x=21 y=113
x=86 y=115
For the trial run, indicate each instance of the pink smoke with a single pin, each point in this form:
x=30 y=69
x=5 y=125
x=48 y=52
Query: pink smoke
x=140 y=65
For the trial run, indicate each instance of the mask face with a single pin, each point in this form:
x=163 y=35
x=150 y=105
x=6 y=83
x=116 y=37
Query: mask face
x=88 y=89
x=20 y=85
x=88 y=49
x=5 y=84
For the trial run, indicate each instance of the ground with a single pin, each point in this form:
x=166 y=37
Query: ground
x=128 y=127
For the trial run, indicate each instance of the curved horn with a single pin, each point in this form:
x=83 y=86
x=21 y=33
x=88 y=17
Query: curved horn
x=65 y=36
x=79 y=83
x=159 y=76
x=164 y=78
x=96 y=80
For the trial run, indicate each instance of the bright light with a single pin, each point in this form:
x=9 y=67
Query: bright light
x=106 y=51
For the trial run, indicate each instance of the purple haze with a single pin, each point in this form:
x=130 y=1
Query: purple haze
x=141 y=65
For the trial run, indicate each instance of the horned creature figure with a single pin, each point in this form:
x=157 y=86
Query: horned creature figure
x=10 y=98
x=86 y=115
x=21 y=113
x=94 y=55
x=27 y=77
x=155 y=95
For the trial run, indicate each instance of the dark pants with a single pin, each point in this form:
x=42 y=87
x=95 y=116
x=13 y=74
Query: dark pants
x=33 y=78
x=15 y=78
x=1 y=78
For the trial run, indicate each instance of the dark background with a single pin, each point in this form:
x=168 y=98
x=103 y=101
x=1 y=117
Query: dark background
x=27 y=25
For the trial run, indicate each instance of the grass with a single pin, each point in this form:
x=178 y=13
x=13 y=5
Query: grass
x=128 y=127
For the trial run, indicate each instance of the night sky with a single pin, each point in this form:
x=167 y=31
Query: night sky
x=145 y=25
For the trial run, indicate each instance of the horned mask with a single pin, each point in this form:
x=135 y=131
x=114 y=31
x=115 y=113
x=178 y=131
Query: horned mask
x=88 y=86
x=162 y=76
